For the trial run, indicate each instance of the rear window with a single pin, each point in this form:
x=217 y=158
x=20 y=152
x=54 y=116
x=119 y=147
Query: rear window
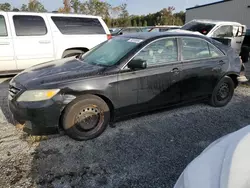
x=29 y=25
x=203 y=28
x=3 y=29
x=78 y=25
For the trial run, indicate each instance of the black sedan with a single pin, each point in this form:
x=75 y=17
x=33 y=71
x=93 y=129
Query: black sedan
x=125 y=75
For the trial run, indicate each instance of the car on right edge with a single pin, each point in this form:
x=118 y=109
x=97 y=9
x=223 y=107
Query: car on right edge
x=223 y=164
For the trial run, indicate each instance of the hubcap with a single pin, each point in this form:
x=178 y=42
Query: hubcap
x=88 y=118
x=223 y=92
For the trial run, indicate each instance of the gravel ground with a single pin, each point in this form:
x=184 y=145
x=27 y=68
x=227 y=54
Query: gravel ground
x=146 y=151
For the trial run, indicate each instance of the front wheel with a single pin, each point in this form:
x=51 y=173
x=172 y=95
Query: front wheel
x=222 y=93
x=86 y=117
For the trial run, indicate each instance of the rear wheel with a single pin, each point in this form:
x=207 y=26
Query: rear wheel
x=223 y=92
x=86 y=117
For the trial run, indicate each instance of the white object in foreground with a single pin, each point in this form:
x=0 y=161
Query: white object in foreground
x=223 y=164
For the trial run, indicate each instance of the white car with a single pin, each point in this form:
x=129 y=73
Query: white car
x=223 y=164
x=27 y=39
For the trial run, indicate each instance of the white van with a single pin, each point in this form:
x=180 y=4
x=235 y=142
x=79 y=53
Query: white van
x=27 y=39
x=222 y=30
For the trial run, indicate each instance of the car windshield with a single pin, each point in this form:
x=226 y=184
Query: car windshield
x=111 y=51
x=202 y=27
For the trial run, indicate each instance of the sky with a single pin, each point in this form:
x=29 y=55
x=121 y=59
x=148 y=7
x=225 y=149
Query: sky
x=136 y=7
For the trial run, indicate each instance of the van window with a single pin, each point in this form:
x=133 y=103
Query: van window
x=3 y=29
x=29 y=25
x=78 y=25
x=224 y=31
x=201 y=27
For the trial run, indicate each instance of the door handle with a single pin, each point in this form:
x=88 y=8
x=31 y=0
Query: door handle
x=221 y=62
x=238 y=42
x=4 y=43
x=44 y=41
x=175 y=70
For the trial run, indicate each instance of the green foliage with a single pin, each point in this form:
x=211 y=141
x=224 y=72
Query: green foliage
x=145 y=24
x=5 y=7
x=33 y=6
x=134 y=23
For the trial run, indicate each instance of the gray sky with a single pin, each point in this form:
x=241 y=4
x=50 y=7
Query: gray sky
x=134 y=6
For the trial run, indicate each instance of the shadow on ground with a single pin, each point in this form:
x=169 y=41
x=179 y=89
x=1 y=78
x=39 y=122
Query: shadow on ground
x=150 y=151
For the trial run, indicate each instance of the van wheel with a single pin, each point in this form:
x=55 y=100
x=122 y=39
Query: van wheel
x=86 y=117
x=222 y=93
x=71 y=53
x=244 y=54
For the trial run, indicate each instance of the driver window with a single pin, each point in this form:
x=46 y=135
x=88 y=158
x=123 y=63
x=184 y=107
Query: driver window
x=160 y=51
x=224 y=31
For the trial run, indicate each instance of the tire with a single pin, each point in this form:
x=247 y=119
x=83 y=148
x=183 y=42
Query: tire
x=222 y=93
x=244 y=54
x=86 y=117
x=71 y=53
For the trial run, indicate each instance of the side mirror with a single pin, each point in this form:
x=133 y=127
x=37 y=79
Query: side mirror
x=120 y=33
x=137 y=64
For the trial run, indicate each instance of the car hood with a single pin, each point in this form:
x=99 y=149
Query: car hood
x=223 y=164
x=56 y=71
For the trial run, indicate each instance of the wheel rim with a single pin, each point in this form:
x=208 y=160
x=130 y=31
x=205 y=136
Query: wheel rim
x=223 y=92
x=89 y=119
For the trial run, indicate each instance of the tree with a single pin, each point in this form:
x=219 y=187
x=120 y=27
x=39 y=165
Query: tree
x=66 y=8
x=15 y=9
x=33 y=6
x=134 y=23
x=24 y=7
x=75 y=4
x=96 y=7
x=145 y=24
x=36 y=6
x=124 y=16
x=5 y=7
x=181 y=15
x=140 y=23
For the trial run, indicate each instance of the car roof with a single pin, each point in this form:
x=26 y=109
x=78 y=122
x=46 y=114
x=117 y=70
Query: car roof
x=53 y=14
x=216 y=21
x=151 y=35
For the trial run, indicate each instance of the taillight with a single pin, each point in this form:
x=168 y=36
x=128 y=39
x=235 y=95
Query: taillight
x=109 y=36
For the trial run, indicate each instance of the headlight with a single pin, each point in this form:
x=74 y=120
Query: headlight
x=37 y=95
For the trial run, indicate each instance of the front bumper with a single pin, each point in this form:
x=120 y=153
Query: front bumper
x=39 y=118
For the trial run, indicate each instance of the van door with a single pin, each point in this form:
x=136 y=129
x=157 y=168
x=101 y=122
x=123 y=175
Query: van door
x=238 y=38
x=230 y=32
x=7 y=56
x=32 y=39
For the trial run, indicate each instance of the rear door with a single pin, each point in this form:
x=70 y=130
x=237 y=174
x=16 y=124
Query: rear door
x=32 y=38
x=203 y=66
x=7 y=56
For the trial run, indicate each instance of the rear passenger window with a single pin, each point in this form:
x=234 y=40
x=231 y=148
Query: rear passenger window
x=3 y=29
x=29 y=25
x=214 y=52
x=78 y=26
x=194 y=49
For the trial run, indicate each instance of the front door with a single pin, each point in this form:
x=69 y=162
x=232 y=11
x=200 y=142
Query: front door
x=202 y=68
x=32 y=39
x=7 y=56
x=158 y=84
